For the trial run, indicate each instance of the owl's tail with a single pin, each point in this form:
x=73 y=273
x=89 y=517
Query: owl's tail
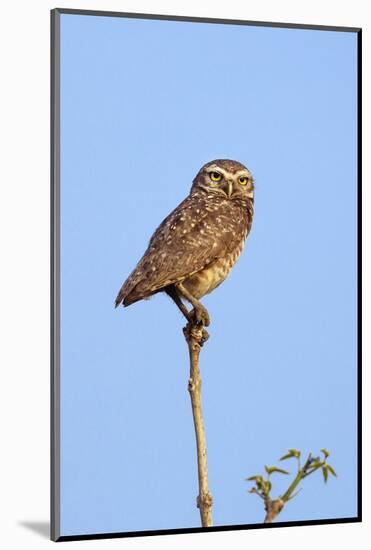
x=124 y=292
x=135 y=288
x=127 y=294
x=127 y=298
x=120 y=299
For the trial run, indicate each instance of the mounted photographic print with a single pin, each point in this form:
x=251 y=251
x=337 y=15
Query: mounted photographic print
x=205 y=275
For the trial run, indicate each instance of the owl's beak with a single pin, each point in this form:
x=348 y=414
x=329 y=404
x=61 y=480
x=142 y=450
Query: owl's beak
x=230 y=189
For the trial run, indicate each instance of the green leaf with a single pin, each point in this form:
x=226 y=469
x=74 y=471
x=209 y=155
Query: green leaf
x=252 y=478
x=316 y=464
x=274 y=469
x=325 y=473
x=292 y=453
x=325 y=452
x=260 y=483
x=331 y=470
x=285 y=457
x=295 y=453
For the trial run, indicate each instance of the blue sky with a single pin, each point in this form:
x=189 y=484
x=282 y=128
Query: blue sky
x=143 y=105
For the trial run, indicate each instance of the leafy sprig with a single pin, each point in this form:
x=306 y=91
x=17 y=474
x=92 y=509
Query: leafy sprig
x=263 y=485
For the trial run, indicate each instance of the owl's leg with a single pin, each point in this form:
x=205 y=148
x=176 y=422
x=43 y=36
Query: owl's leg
x=172 y=292
x=199 y=311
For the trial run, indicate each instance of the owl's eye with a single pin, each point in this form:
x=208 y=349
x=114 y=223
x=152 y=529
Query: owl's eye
x=243 y=180
x=215 y=176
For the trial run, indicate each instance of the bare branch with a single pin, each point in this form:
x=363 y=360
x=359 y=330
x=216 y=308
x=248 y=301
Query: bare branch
x=195 y=336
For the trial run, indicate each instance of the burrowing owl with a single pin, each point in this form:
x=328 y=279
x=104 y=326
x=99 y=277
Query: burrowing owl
x=196 y=246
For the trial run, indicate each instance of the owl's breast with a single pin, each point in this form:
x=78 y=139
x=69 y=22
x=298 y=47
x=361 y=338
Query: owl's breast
x=206 y=280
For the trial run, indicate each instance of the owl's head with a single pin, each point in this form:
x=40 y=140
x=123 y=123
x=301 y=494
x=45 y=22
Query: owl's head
x=227 y=178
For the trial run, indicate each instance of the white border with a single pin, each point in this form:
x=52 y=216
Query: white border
x=24 y=228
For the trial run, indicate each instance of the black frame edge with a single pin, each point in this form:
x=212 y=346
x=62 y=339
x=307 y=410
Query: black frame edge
x=359 y=272
x=278 y=525
x=54 y=275
x=195 y=19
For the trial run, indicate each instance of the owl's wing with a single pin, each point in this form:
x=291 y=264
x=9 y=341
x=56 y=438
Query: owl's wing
x=192 y=236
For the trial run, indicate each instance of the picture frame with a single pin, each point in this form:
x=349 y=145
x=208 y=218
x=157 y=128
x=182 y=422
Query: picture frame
x=58 y=533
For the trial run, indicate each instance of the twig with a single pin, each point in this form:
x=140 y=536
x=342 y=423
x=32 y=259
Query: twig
x=195 y=336
x=263 y=487
x=273 y=508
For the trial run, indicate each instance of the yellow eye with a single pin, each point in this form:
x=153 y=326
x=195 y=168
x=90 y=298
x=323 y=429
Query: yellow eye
x=215 y=176
x=243 y=180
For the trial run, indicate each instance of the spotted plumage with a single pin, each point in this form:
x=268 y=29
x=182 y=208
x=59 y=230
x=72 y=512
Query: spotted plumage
x=196 y=246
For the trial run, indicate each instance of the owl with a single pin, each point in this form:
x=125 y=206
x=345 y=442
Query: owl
x=195 y=247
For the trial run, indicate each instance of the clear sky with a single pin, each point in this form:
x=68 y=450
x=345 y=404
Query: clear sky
x=143 y=105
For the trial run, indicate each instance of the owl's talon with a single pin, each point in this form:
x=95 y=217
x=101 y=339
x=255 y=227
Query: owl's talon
x=200 y=335
x=205 y=337
x=200 y=316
